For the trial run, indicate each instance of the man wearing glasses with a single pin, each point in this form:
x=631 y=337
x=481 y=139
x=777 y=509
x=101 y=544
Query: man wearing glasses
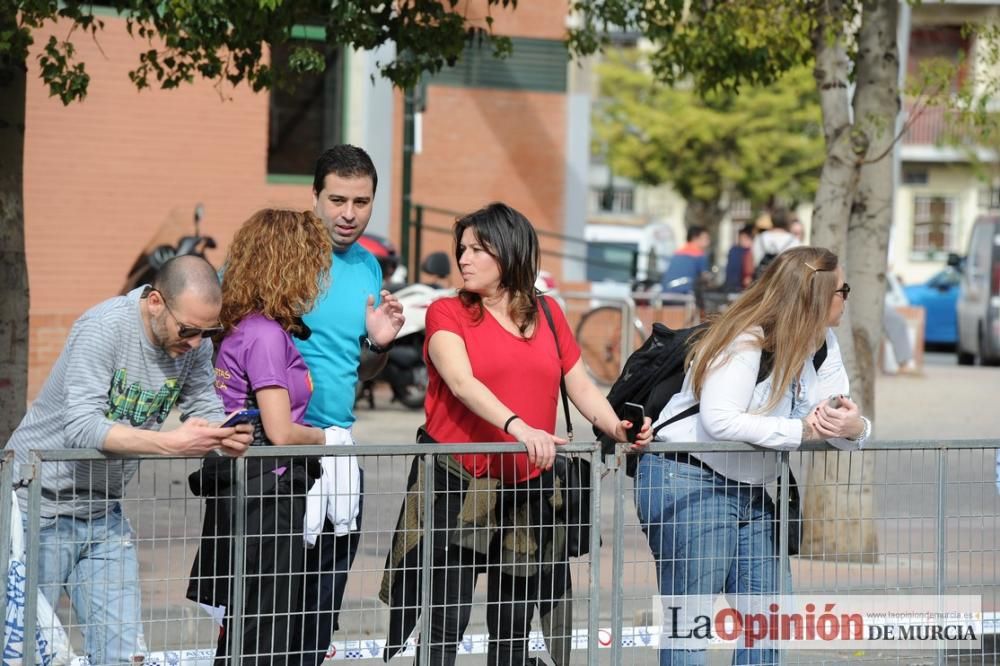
x=126 y=363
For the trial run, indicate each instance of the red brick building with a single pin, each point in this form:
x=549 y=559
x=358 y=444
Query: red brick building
x=102 y=176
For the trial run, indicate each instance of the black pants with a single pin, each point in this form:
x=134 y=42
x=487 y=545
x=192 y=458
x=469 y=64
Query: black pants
x=511 y=599
x=327 y=566
x=273 y=577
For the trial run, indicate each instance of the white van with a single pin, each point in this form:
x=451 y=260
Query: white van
x=626 y=254
x=978 y=308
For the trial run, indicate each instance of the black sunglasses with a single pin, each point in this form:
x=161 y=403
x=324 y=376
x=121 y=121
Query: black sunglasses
x=186 y=331
x=844 y=291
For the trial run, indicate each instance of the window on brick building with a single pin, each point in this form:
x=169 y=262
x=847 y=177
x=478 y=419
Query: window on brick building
x=305 y=116
x=934 y=225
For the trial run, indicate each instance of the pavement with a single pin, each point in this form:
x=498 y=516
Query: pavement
x=946 y=402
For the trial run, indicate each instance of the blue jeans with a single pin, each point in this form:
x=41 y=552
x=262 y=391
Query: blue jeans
x=709 y=535
x=94 y=560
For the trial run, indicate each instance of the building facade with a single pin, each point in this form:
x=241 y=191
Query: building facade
x=123 y=170
x=945 y=180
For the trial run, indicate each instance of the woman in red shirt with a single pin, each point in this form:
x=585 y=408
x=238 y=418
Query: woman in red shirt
x=494 y=373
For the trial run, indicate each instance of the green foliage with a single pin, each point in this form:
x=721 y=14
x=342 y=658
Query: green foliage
x=762 y=142
x=720 y=46
x=66 y=80
x=225 y=40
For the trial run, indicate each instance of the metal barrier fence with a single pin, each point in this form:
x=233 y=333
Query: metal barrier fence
x=931 y=508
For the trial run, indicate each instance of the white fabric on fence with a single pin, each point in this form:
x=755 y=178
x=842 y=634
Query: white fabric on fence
x=337 y=493
x=52 y=646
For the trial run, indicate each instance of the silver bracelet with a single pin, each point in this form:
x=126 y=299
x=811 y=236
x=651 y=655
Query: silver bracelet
x=866 y=433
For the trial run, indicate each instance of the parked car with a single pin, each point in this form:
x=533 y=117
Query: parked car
x=938 y=297
x=979 y=294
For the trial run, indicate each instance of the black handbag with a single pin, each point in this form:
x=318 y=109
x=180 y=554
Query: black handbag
x=573 y=471
x=794 y=517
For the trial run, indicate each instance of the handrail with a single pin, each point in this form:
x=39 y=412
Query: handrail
x=516 y=447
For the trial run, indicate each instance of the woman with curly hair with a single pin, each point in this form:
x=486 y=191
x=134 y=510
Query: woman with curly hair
x=278 y=263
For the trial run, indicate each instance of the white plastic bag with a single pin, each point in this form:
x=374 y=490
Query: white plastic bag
x=52 y=646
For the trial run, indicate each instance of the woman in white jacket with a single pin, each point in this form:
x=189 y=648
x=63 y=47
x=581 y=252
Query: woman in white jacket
x=708 y=519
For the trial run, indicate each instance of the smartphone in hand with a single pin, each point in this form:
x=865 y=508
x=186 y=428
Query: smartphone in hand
x=636 y=414
x=835 y=401
x=241 y=416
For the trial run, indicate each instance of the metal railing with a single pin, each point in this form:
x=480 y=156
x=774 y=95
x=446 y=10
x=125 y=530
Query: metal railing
x=932 y=506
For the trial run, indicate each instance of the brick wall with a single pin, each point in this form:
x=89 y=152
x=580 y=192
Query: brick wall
x=102 y=175
x=481 y=145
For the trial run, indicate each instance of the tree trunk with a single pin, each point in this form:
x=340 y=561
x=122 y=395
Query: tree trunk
x=839 y=176
x=13 y=267
x=839 y=504
x=876 y=106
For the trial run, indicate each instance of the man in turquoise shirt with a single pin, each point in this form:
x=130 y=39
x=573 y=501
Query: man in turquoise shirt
x=352 y=325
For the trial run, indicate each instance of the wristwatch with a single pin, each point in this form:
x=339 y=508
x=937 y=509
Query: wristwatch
x=376 y=348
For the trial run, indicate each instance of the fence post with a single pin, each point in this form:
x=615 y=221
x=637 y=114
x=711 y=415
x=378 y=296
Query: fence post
x=7 y=483
x=33 y=474
x=783 y=511
x=234 y=632
x=409 y=134
x=418 y=241
x=427 y=560
x=594 y=616
x=628 y=330
x=618 y=562
x=941 y=567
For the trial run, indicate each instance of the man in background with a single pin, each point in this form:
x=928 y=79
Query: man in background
x=688 y=263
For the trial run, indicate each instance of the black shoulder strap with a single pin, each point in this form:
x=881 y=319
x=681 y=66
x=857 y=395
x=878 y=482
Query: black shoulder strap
x=690 y=411
x=562 y=375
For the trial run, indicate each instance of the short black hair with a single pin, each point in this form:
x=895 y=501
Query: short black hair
x=746 y=230
x=694 y=231
x=346 y=161
x=188 y=272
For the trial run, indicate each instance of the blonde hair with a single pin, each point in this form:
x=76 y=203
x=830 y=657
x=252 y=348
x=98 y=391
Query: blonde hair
x=790 y=304
x=278 y=264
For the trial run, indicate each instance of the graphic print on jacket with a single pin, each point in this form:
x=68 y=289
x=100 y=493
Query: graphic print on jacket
x=138 y=405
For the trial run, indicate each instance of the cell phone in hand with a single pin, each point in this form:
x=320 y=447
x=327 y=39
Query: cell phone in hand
x=636 y=414
x=834 y=401
x=241 y=416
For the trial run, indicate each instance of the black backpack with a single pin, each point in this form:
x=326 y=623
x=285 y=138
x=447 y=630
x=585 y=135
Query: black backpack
x=768 y=257
x=654 y=373
x=762 y=266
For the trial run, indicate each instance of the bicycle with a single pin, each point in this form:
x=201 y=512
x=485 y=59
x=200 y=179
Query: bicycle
x=599 y=333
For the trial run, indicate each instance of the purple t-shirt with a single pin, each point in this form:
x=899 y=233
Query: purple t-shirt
x=259 y=354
